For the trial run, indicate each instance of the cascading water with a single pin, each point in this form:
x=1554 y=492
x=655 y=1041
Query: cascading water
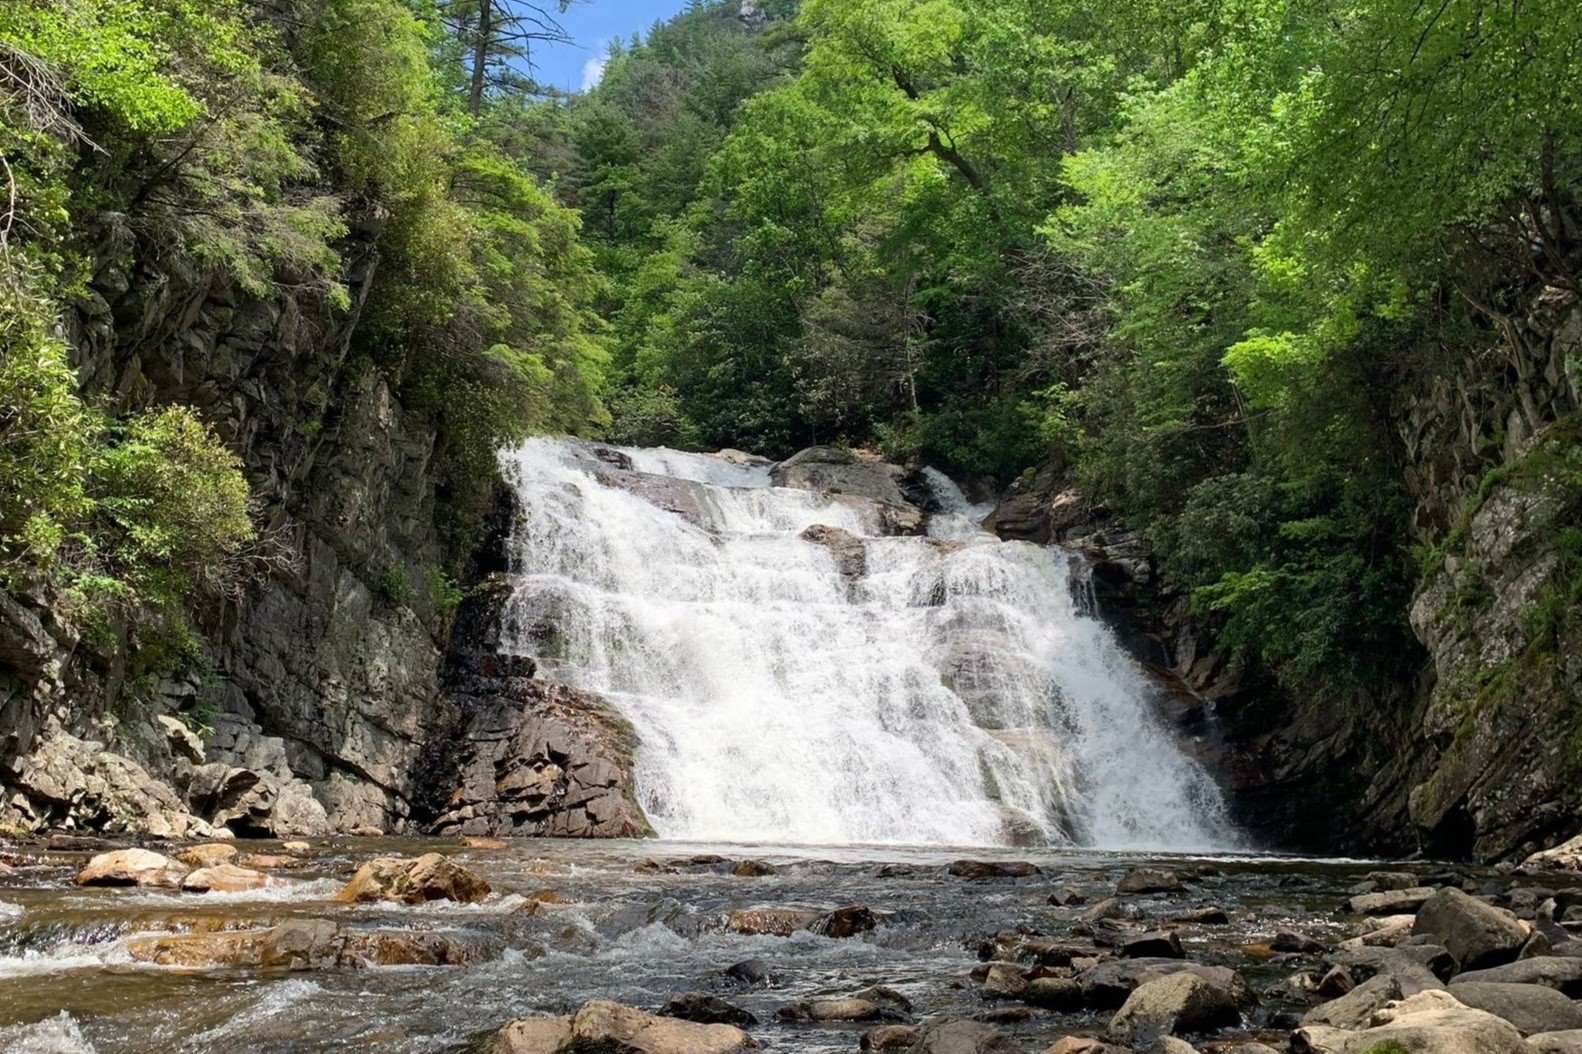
x=952 y=693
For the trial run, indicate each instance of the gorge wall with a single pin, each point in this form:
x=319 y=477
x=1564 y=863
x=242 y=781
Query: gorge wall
x=1479 y=755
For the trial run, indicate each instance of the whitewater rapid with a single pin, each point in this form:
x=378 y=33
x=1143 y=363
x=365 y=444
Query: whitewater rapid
x=957 y=692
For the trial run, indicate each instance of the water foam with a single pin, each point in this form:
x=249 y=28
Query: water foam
x=956 y=694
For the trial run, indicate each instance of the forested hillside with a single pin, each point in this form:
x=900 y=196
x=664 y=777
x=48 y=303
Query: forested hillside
x=1193 y=252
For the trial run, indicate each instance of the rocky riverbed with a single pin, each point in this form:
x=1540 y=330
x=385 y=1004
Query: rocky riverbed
x=538 y=946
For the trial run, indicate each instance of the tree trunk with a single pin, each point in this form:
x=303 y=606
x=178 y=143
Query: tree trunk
x=480 y=55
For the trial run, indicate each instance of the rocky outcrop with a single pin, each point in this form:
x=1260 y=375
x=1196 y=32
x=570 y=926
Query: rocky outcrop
x=843 y=473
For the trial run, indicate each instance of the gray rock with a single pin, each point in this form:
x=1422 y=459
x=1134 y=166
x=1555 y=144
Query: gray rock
x=1567 y=1042
x=1530 y=1007
x=1390 y=902
x=1177 y=1004
x=1054 y=993
x=962 y=1037
x=1356 y=1008
x=1559 y=972
x=1476 y=933
x=1109 y=984
x=1154 y=944
x=707 y=1010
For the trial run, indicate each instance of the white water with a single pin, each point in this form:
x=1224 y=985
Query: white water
x=955 y=695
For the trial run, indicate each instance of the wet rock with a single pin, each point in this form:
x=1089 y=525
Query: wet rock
x=752 y=869
x=1149 y=880
x=535 y=1035
x=845 y=922
x=885 y=996
x=429 y=877
x=1206 y=916
x=980 y=870
x=1067 y=896
x=223 y=878
x=1356 y=1008
x=1111 y=908
x=849 y=551
x=751 y=972
x=1003 y=981
x=707 y=1010
x=208 y=855
x=1530 y=1007
x=850 y=1009
x=1295 y=943
x=1391 y=902
x=1054 y=993
x=1562 y=973
x=602 y=1027
x=306 y=944
x=1476 y=933
x=1109 y=984
x=828 y=470
x=889 y=1037
x=1177 y=1004
x=268 y=861
x=1426 y=1023
x=1154 y=944
x=132 y=867
x=1392 y=880
x=533 y=758
x=962 y=1037
x=1336 y=982
x=771 y=922
x=1045 y=951
x=1004 y=1015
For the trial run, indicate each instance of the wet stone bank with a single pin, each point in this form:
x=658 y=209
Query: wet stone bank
x=663 y=948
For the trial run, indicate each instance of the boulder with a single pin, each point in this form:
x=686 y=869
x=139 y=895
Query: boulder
x=1568 y=1042
x=1149 y=880
x=1109 y=984
x=224 y=878
x=429 y=877
x=751 y=972
x=752 y=869
x=962 y=1037
x=1356 y=1008
x=1054 y=993
x=1426 y=1023
x=1530 y=1007
x=889 y=1037
x=1295 y=943
x=1175 y=1004
x=1561 y=973
x=602 y=1027
x=1153 y=944
x=707 y=1010
x=1476 y=933
x=770 y=921
x=845 y=922
x=979 y=870
x=1416 y=967
x=132 y=867
x=1003 y=981
x=1390 y=902
x=208 y=855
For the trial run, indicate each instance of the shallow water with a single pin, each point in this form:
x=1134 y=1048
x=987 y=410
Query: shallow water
x=634 y=937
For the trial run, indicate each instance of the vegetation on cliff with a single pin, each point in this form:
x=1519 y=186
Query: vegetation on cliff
x=264 y=145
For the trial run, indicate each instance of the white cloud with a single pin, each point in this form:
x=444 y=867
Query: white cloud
x=593 y=72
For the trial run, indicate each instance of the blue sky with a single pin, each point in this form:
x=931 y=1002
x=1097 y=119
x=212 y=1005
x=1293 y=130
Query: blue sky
x=593 y=24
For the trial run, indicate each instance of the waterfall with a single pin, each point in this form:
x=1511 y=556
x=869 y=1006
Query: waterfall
x=953 y=692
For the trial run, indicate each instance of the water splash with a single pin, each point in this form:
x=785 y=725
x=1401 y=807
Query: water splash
x=54 y=1035
x=954 y=693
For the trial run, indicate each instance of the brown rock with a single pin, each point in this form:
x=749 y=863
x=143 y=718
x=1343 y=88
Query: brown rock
x=610 y=1028
x=979 y=870
x=535 y=1035
x=478 y=842
x=303 y=944
x=268 y=861
x=429 y=877
x=209 y=855
x=773 y=922
x=223 y=878
x=132 y=867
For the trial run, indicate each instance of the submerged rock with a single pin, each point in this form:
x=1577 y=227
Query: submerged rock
x=979 y=870
x=849 y=1009
x=306 y=944
x=707 y=1010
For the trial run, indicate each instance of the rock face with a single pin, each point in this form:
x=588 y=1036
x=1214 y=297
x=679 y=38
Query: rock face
x=528 y=757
